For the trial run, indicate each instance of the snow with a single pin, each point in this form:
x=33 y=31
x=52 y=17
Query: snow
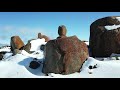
x=112 y=27
x=18 y=66
x=5 y=49
x=35 y=44
x=7 y=55
x=87 y=43
x=118 y=18
x=106 y=69
x=39 y=54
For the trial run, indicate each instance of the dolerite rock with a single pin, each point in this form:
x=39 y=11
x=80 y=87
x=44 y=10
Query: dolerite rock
x=2 y=54
x=16 y=43
x=43 y=36
x=64 y=55
x=104 y=42
x=27 y=47
x=42 y=47
x=62 y=31
x=34 y=64
x=16 y=51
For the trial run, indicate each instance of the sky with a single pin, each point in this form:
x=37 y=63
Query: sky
x=27 y=25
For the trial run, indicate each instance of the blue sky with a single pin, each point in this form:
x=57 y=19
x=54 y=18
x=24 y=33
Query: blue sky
x=28 y=24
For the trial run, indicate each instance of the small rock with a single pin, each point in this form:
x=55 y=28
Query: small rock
x=34 y=64
x=42 y=47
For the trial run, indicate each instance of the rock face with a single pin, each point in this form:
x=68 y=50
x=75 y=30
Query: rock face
x=43 y=36
x=16 y=43
x=104 y=42
x=62 y=31
x=64 y=55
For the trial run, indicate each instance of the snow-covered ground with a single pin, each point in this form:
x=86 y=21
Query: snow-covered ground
x=5 y=49
x=18 y=66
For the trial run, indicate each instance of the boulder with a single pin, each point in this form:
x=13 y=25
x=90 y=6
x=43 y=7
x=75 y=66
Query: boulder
x=64 y=55
x=2 y=54
x=16 y=51
x=62 y=31
x=43 y=36
x=103 y=42
x=42 y=47
x=16 y=43
x=27 y=47
x=34 y=64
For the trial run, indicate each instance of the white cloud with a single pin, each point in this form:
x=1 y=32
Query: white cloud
x=7 y=28
x=26 y=33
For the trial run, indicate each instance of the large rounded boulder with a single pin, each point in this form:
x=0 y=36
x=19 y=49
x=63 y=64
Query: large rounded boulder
x=105 y=36
x=64 y=55
x=16 y=43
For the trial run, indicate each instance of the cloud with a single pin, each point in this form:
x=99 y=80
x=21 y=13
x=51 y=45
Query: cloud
x=26 y=33
x=7 y=28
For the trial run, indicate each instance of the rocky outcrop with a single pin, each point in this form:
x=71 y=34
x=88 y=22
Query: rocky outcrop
x=43 y=36
x=16 y=43
x=64 y=55
x=104 y=42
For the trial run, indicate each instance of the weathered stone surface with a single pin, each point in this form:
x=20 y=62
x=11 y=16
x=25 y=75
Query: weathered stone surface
x=64 y=55
x=16 y=43
x=62 y=31
x=16 y=51
x=104 y=42
x=27 y=47
x=43 y=36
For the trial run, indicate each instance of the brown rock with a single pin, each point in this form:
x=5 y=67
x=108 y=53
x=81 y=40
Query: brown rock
x=16 y=43
x=104 y=42
x=16 y=51
x=62 y=31
x=43 y=36
x=27 y=47
x=64 y=55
